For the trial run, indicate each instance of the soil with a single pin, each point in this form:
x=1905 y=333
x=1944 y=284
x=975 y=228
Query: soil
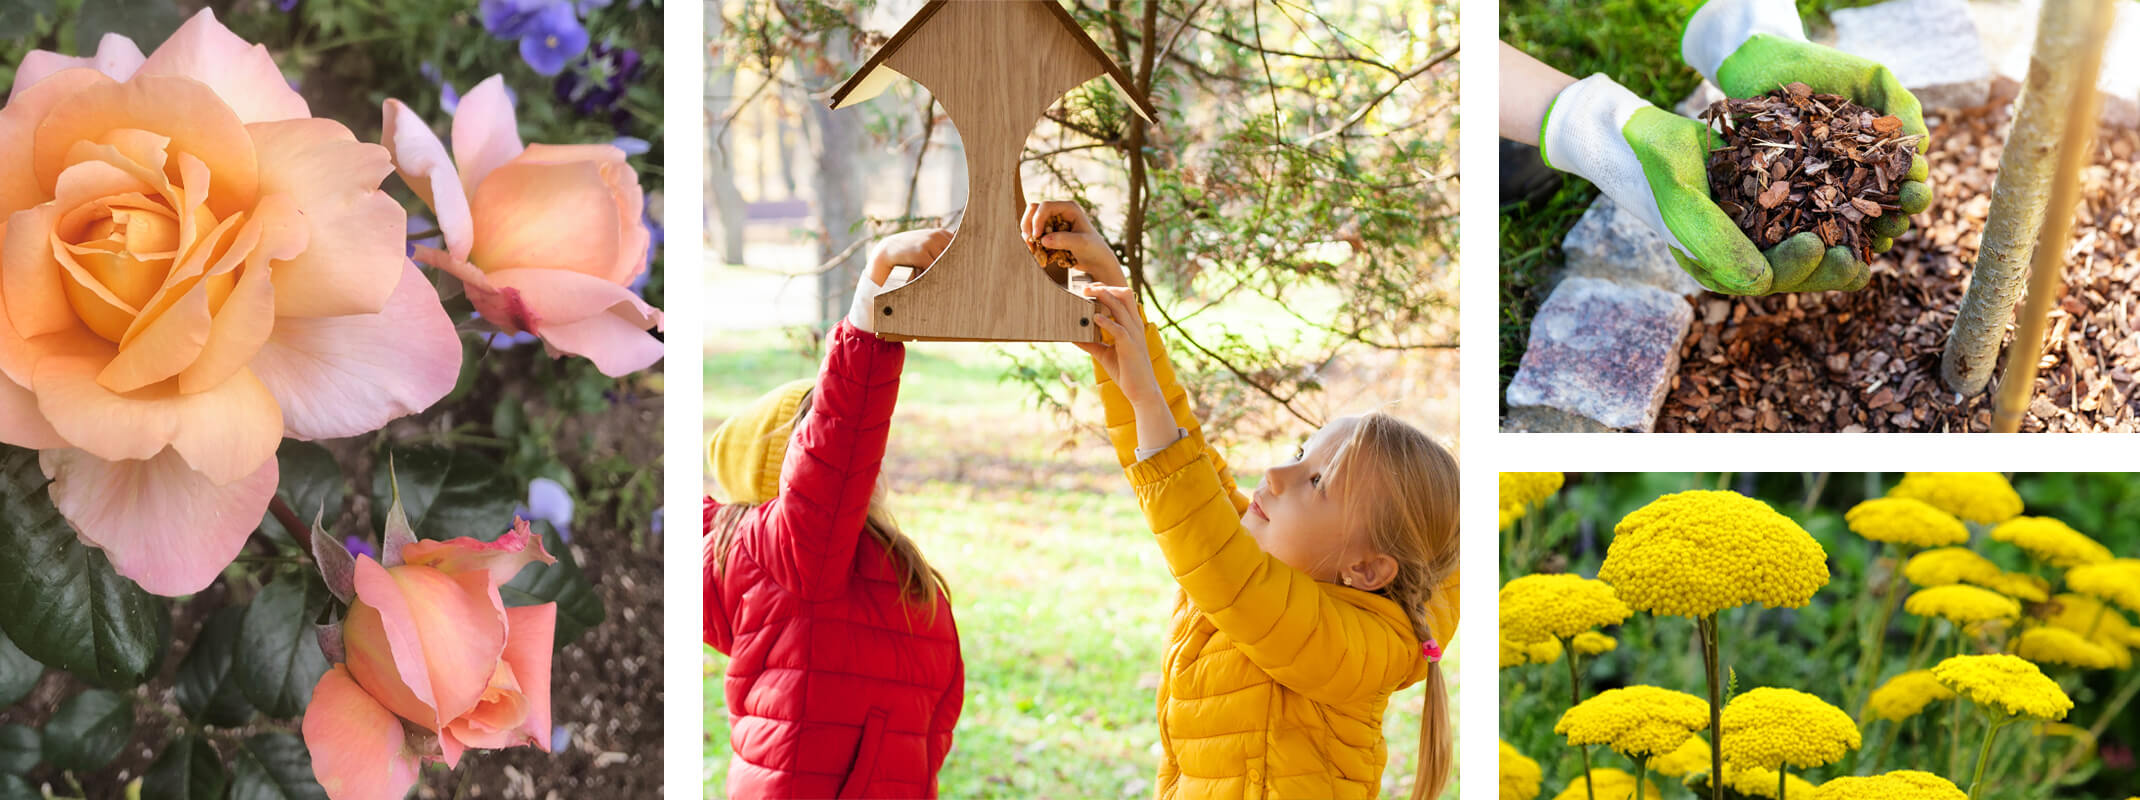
x=1870 y=360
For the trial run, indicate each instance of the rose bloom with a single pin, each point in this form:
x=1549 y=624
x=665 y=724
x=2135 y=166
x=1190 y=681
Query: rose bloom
x=546 y=238
x=432 y=647
x=192 y=268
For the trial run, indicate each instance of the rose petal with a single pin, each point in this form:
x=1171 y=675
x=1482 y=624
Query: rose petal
x=358 y=749
x=556 y=297
x=545 y=216
x=225 y=432
x=449 y=629
x=622 y=183
x=247 y=317
x=485 y=133
x=502 y=559
x=532 y=638
x=117 y=57
x=21 y=424
x=342 y=376
x=162 y=524
x=352 y=259
x=618 y=346
x=496 y=721
x=242 y=74
x=197 y=121
x=27 y=109
x=424 y=166
x=32 y=293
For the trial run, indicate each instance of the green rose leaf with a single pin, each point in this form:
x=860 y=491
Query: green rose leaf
x=189 y=769
x=19 y=17
x=18 y=672
x=64 y=605
x=578 y=606
x=147 y=22
x=447 y=493
x=89 y=730
x=273 y=766
x=20 y=749
x=311 y=481
x=15 y=788
x=208 y=688
x=278 y=655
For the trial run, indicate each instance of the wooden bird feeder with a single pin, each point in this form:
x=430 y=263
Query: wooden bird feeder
x=996 y=66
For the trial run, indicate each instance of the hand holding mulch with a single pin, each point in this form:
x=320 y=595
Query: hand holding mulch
x=1794 y=161
x=1056 y=263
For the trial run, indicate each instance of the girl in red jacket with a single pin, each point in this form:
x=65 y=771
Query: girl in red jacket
x=844 y=678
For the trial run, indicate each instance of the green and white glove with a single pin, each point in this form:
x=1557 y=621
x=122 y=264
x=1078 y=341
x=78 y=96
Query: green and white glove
x=1752 y=47
x=1655 y=163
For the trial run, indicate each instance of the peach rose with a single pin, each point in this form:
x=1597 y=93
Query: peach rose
x=192 y=268
x=545 y=237
x=437 y=665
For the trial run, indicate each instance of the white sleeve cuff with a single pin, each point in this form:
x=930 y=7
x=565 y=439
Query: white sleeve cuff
x=862 y=313
x=1147 y=452
x=1718 y=28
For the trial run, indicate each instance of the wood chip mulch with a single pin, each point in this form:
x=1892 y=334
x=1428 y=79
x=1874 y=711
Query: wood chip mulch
x=1794 y=160
x=1870 y=360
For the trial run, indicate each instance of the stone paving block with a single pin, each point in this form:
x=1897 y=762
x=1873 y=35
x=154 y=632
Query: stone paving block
x=1602 y=351
x=1613 y=243
x=1931 y=45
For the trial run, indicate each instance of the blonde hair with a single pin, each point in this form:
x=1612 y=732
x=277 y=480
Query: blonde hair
x=1406 y=504
x=919 y=582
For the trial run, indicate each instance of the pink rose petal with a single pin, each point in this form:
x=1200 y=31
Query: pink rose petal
x=225 y=432
x=502 y=559
x=531 y=641
x=618 y=346
x=20 y=424
x=352 y=259
x=358 y=749
x=243 y=74
x=134 y=510
x=19 y=119
x=342 y=376
x=424 y=165
x=450 y=629
x=485 y=133
x=117 y=57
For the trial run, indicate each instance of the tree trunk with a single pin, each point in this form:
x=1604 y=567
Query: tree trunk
x=838 y=185
x=2017 y=201
x=727 y=221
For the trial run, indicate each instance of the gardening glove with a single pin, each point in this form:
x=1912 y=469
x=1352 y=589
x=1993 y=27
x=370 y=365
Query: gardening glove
x=1655 y=163
x=1753 y=47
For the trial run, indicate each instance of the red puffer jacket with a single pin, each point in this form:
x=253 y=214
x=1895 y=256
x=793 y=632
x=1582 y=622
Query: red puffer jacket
x=837 y=686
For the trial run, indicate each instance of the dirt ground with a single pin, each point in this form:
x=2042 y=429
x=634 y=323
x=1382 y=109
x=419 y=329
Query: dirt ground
x=1870 y=360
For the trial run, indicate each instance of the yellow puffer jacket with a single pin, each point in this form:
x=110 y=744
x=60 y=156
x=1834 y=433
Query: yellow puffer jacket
x=1274 y=684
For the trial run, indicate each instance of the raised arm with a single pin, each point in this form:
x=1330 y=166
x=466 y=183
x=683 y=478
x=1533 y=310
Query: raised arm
x=1122 y=419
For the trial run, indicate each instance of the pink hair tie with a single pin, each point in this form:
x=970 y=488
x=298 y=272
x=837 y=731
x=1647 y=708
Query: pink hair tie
x=1431 y=650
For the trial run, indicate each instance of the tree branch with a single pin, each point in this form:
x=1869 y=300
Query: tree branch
x=1361 y=114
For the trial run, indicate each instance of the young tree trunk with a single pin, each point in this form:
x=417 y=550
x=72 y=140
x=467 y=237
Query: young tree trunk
x=838 y=185
x=727 y=209
x=2017 y=199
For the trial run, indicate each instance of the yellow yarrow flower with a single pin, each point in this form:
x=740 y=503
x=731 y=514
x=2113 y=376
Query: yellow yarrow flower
x=2116 y=580
x=1907 y=521
x=1692 y=554
x=1760 y=782
x=1961 y=604
x=1944 y=566
x=1906 y=784
x=2004 y=684
x=1983 y=497
x=2023 y=587
x=2061 y=646
x=1520 y=775
x=1609 y=784
x=1906 y=695
x=1636 y=721
x=1516 y=655
x=2102 y=624
x=1521 y=490
x=2051 y=541
x=1592 y=643
x=1691 y=757
x=1536 y=607
x=1769 y=727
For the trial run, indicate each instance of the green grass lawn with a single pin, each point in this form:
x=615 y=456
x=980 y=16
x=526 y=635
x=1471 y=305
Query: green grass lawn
x=1061 y=597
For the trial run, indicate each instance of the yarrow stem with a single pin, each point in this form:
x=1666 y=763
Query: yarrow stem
x=1642 y=773
x=1983 y=754
x=1575 y=692
x=1706 y=627
x=1876 y=648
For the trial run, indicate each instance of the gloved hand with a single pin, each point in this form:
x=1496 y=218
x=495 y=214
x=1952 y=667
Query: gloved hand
x=1752 y=47
x=917 y=249
x=1655 y=163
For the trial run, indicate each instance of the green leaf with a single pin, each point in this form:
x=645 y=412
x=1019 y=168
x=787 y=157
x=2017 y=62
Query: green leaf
x=578 y=606
x=89 y=730
x=147 y=22
x=273 y=766
x=64 y=604
x=278 y=656
x=18 y=672
x=18 y=18
x=189 y=769
x=448 y=493
x=20 y=749
x=311 y=483
x=14 y=788
x=208 y=690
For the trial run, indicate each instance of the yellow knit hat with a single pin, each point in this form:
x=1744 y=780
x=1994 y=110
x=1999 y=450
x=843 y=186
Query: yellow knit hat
x=746 y=450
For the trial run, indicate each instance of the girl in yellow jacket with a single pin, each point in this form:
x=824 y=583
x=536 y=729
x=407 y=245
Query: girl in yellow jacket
x=1304 y=605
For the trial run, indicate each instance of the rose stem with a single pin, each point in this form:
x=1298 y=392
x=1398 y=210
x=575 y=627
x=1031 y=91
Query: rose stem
x=299 y=531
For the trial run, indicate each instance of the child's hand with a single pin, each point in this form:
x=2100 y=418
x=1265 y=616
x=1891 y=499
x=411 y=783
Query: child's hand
x=1082 y=240
x=1125 y=358
x=917 y=249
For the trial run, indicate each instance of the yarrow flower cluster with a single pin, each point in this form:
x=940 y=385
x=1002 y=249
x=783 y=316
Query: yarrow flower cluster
x=1691 y=757
x=1520 y=776
x=1760 y=782
x=2006 y=684
x=1906 y=521
x=1769 y=727
x=1907 y=784
x=2061 y=646
x=1982 y=497
x=2051 y=541
x=1536 y=607
x=2019 y=586
x=1949 y=565
x=1636 y=721
x=1695 y=553
x=1521 y=490
x=1906 y=695
x=1591 y=643
x=2104 y=626
x=1606 y=784
x=1961 y=604
x=2116 y=580
x=1516 y=655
